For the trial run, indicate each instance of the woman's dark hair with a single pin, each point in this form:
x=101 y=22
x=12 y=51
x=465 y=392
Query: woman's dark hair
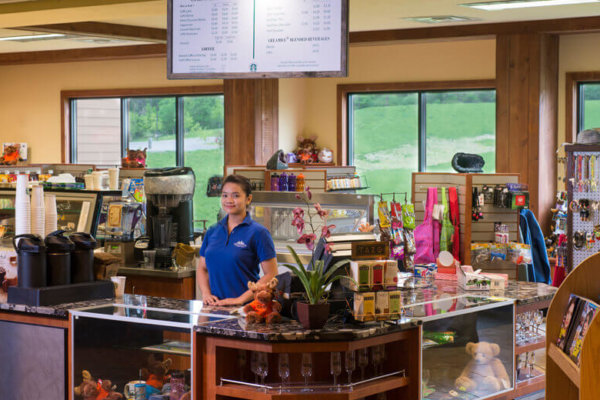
x=240 y=180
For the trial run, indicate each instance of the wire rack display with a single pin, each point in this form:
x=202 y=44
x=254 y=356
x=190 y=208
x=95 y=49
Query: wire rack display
x=583 y=188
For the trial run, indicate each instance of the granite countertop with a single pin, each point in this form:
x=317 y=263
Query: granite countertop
x=158 y=273
x=291 y=330
x=522 y=292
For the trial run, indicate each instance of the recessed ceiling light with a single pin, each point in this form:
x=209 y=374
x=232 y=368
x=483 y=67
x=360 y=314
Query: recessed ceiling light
x=31 y=38
x=510 y=4
x=439 y=19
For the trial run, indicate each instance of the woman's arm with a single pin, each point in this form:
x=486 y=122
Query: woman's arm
x=269 y=268
x=202 y=279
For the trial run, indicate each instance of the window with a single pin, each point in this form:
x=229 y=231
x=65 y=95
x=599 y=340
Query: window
x=588 y=106
x=186 y=130
x=392 y=134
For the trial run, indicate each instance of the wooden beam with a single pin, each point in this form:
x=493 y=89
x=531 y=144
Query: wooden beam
x=91 y=54
x=526 y=104
x=40 y=5
x=563 y=25
x=104 y=30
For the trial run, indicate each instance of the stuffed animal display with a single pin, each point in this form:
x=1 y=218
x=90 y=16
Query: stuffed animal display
x=307 y=151
x=11 y=155
x=89 y=389
x=134 y=159
x=263 y=307
x=484 y=373
x=156 y=373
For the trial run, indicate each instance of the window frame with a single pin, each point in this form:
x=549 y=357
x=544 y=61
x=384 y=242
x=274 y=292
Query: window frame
x=573 y=118
x=343 y=106
x=67 y=114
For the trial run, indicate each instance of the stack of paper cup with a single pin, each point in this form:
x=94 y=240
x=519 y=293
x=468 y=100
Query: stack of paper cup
x=51 y=214
x=22 y=206
x=97 y=180
x=89 y=181
x=113 y=178
x=38 y=215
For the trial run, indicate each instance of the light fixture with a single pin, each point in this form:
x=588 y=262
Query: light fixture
x=510 y=4
x=438 y=19
x=31 y=38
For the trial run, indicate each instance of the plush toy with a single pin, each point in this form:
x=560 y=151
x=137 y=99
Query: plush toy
x=156 y=373
x=135 y=159
x=485 y=373
x=325 y=155
x=86 y=378
x=11 y=155
x=307 y=151
x=263 y=307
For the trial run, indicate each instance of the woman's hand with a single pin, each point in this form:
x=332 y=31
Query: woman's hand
x=210 y=299
x=231 y=301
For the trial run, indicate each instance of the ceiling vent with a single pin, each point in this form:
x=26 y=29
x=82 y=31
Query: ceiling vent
x=440 y=19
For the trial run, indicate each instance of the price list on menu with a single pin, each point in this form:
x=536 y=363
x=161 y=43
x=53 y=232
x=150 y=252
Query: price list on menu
x=212 y=37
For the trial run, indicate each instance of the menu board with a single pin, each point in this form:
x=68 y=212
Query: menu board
x=257 y=38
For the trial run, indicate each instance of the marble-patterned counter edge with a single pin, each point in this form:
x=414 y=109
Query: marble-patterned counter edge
x=292 y=331
x=157 y=273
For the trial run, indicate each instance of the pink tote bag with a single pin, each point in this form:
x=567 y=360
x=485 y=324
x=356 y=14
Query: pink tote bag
x=424 y=233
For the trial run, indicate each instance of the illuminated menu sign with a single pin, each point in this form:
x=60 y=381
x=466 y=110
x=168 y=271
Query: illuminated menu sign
x=257 y=38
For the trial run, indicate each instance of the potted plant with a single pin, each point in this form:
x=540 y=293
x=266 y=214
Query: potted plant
x=313 y=313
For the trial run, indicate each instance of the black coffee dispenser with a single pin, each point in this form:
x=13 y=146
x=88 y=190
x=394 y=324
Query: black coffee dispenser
x=82 y=258
x=58 y=258
x=31 y=261
x=169 y=210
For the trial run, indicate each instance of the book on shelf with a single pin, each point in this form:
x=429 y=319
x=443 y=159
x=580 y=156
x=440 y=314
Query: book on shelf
x=350 y=237
x=576 y=321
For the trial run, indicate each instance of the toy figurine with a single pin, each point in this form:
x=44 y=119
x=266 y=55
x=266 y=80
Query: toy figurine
x=263 y=307
x=485 y=373
x=307 y=150
x=325 y=155
x=11 y=155
x=156 y=373
x=134 y=159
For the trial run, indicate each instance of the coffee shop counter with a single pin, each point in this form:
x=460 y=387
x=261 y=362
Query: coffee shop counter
x=178 y=284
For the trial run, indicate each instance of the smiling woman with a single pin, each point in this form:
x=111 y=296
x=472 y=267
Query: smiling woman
x=233 y=249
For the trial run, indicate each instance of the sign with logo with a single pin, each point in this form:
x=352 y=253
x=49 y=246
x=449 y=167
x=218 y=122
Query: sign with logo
x=370 y=250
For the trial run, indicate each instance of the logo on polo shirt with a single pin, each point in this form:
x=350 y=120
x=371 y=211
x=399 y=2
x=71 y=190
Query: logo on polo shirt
x=240 y=244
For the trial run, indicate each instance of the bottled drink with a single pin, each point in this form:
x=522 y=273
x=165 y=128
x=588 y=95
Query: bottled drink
x=275 y=183
x=300 y=182
x=283 y=182
x=292 y=183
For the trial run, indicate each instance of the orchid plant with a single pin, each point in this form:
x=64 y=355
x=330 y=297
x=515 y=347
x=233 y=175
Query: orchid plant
x=313 y=279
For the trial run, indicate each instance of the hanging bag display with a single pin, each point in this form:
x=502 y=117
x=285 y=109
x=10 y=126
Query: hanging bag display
x=447 y=229
x=424 y=233
x=455 y=218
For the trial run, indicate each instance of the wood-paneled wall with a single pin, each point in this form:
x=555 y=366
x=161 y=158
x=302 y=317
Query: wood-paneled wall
x=251 y=120
x=526 y=114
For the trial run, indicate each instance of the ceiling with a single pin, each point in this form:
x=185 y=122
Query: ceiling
x=102 y=23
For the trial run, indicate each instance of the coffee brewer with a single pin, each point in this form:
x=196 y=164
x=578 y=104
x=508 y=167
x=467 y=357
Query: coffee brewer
x=169 y=210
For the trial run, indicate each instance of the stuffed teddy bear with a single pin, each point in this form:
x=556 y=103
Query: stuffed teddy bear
x=87 y=377
x=134 y=159
x=11 y=155
x=485 y=373
x=156 y=373
x=263 y=307
x=307 y=151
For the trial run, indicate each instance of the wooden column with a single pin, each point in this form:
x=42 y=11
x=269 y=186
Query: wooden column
x=526 y=114
x=251 y=120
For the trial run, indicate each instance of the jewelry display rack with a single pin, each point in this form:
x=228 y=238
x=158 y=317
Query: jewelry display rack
x=583 y=197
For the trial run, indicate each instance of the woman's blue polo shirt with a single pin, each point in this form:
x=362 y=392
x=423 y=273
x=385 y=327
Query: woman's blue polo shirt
x=233 y=259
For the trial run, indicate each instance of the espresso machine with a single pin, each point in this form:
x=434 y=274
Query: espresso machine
x=169 y=210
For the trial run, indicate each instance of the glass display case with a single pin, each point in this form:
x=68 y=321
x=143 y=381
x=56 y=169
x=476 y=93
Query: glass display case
x=274 y=210
x=78 y=210
x=124 y=343
x=468 y=346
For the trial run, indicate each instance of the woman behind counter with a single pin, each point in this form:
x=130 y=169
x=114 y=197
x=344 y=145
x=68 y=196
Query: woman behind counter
x=233 y=248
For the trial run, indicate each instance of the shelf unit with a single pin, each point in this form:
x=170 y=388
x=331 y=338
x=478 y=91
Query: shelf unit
x=219 y=359
x=480 y=231
x=565 y=380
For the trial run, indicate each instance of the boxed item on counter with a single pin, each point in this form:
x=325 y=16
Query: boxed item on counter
x=395 y=303
x=472 y=280
x=373 y=275
x=364 y=306
x=382 y=306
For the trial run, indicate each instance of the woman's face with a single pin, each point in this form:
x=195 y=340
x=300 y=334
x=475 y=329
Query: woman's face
x=234 y=200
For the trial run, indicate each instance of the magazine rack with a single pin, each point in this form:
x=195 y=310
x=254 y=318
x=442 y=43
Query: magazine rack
x=564 y=379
